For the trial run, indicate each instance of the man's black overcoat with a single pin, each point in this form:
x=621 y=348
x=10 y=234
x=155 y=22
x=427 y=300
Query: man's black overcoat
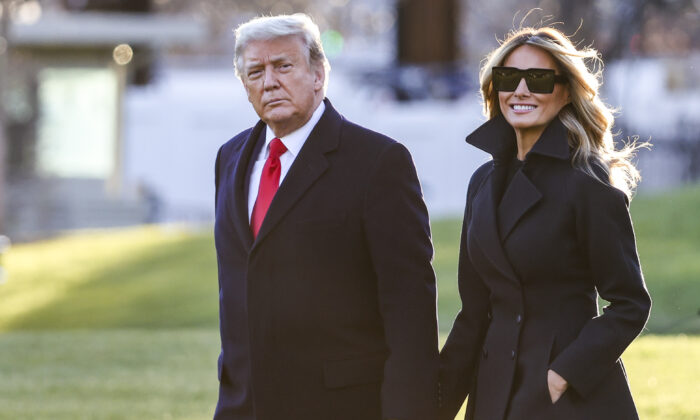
x=330 y=313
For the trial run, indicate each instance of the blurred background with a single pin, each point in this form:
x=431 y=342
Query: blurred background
x=111 y=113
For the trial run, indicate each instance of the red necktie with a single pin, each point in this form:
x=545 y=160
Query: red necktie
x=269 y=182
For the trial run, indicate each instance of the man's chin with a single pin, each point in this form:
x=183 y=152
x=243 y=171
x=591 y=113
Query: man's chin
x=280 y=121
x=276 y=113
x=277 y=118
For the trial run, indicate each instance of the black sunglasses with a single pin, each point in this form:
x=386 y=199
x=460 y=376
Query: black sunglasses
x=507 y=79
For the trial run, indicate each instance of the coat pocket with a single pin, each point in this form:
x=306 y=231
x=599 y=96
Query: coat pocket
x=363 y=370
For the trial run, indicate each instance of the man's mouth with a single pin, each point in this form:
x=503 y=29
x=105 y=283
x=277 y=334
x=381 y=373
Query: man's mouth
x=274 y=102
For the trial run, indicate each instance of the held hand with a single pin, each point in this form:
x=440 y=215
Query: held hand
x=557 y=385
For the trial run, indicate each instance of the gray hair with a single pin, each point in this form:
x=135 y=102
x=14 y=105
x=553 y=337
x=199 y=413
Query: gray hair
x=270 y=27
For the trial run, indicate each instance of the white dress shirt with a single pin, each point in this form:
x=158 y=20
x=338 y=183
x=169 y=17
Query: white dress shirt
x=293 y=142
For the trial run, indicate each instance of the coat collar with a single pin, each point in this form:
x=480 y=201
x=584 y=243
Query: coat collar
x=497 y=138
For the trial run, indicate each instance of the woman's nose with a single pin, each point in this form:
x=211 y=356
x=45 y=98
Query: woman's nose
x=522 y=88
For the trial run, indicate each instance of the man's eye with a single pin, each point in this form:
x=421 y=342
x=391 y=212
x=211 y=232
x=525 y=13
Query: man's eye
x=254 y=73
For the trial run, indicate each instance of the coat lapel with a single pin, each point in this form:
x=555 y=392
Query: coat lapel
x=520 y=196
x=238 y=192
x=496 y=212
x=484 y=225
x=308 y=166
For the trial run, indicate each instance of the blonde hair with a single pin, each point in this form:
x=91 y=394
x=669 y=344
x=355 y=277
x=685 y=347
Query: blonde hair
x=269 y=27
x=587 y=118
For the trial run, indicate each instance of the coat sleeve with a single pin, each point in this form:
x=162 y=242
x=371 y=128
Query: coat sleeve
x=459 y=356
x=397 y=232
x=605 y=234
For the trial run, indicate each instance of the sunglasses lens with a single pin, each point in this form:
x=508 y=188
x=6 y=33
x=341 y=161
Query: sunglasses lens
x=540 y=81
x=506 y=79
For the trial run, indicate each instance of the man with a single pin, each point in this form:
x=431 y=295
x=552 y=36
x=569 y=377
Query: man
x=327 y=295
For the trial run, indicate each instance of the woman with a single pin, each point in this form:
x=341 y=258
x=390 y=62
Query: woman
x=546 y=229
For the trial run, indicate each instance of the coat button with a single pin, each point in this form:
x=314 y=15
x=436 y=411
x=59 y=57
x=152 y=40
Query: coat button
x=518 y=319
x=512 y=354
x=488 y=314
x=485 y=352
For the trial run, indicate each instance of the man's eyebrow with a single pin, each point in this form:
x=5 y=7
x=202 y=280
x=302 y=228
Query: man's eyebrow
x=276 y=59
x=281 y=57
x=253 y=64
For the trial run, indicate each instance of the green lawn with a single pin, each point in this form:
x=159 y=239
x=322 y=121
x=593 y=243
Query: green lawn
x=108 y=374
x=143 y=277
x=123 y=324
x=668 y=238
x=171 y=374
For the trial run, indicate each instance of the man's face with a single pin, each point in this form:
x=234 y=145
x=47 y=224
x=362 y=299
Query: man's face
x=281 y=85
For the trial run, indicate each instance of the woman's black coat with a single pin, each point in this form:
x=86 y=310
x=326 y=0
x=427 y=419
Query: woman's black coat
x=533 y=254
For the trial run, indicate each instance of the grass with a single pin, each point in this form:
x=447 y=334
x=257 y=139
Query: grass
x=663 y=373
x=123 y=324
x=668 y=238
x=171 y=374
x=108 y=374
x=144 y=278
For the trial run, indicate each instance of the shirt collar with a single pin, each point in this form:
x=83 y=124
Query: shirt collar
x=497 y=137
x=296 y=139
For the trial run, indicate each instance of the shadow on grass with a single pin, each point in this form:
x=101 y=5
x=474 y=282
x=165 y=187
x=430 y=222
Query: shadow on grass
x=171 y=285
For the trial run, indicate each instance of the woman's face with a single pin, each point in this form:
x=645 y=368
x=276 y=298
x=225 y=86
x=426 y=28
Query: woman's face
x=526 y=111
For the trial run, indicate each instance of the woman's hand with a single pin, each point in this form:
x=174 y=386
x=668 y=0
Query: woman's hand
x=557 y=385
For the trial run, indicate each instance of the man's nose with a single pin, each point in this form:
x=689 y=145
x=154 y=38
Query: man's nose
x=270 y=80
x=522 y=88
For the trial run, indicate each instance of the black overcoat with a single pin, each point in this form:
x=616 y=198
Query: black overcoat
x=533 y=255
x=330 y=313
